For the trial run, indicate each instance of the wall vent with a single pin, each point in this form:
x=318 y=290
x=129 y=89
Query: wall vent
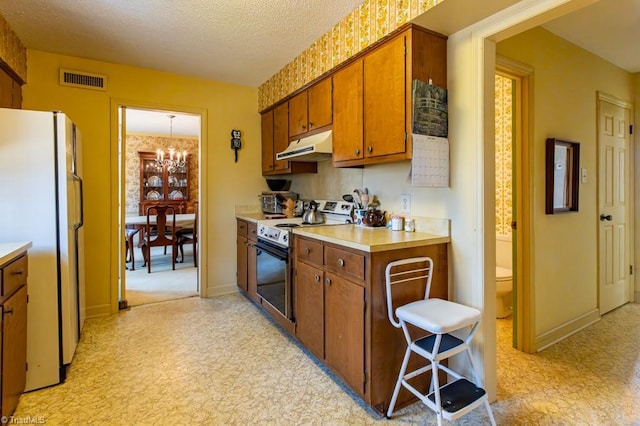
x=83 y=80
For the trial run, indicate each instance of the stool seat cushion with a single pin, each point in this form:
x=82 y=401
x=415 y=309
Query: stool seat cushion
x=438 y=316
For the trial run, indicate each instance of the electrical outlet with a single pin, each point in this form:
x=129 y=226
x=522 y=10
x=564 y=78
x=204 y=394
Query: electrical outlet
x=405 y=203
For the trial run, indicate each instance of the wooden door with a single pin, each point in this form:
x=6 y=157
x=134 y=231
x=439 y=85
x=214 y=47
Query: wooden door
x=384 y=99
x=309 y=308
x=268 y=156
x=298 y=114
x=344 y=329
x=280 y=135
x=614 y=198
x=243 y=263
x=348 y=117
x=14 y=349
x=320 y=104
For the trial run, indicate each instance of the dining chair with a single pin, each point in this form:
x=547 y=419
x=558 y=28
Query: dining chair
x=159 y=234
x=189 y=236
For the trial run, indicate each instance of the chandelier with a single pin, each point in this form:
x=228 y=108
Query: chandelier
x=174 y=160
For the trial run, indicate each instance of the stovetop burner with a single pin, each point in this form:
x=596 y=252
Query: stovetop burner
x=287 y=225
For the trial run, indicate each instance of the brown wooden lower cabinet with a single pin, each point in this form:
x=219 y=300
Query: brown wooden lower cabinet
x=13 y=304
x=341 y=314
x=246 y=258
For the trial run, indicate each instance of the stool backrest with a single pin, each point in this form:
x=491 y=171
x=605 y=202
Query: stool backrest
x=416 y=269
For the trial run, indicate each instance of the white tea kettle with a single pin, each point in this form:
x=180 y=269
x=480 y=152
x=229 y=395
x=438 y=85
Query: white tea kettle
x=312 y=215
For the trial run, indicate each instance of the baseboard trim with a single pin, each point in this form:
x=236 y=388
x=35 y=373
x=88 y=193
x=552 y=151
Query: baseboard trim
x=222 y=289
x=565 y=330
x=98 y=311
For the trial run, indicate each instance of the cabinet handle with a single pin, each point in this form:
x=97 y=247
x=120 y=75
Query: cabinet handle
x=310 y=124
x=327 y=281
x=20 y=272
x=370 y=148
x=9 y=311
x=340 y=262
x=307 y=251
x=304 y=127
x=317 y=278
x=357 y=151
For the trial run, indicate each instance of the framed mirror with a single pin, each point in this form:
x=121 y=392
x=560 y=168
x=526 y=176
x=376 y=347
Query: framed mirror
x=562 y=170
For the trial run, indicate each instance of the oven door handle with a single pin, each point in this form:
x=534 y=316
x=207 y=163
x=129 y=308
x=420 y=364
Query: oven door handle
x=279 y=254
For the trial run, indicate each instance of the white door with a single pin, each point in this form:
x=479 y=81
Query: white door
x=614 y=202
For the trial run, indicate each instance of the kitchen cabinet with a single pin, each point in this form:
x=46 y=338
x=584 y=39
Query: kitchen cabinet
x=310 y=109
x=162 y=184
x=341 y=313
x=275 y=139
x=13 y=304
x=10 y=91
x=372 y=97
x=246 y=258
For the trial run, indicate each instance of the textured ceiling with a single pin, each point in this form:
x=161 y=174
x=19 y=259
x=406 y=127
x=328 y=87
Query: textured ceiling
x=236 y=41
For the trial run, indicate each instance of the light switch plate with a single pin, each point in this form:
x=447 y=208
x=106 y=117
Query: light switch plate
x=405 y=203
x=584 y=175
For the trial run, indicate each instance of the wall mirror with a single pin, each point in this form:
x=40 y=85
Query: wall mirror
x=563 y=165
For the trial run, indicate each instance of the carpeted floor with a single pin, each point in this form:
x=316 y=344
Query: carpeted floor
x=163 y=283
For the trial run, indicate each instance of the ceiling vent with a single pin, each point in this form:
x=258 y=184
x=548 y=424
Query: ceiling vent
x=84 y=80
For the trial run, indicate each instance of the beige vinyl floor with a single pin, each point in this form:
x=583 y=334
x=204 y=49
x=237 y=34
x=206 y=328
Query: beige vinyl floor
x=221 y=361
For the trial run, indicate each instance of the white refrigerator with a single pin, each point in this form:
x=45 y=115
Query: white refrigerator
x=41 y=184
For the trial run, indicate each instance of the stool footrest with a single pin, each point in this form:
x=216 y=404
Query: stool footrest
x=448 y=342
x=458 y=395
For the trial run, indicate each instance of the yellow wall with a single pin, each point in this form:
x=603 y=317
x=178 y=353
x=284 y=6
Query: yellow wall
x=566 y=79
x=226 y=107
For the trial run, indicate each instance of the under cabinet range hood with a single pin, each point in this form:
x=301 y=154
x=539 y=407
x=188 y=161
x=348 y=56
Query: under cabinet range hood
x=311 y=148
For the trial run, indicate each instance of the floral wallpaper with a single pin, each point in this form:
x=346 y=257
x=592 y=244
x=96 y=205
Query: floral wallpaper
x=504 y=154
x=368 y=23
x=12 y=51
x=146 y=143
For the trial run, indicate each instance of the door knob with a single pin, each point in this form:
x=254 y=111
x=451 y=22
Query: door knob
x=604 y=217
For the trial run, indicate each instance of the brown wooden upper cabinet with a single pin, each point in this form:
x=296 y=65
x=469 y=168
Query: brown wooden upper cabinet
x=10 y=91
x=372 y=97
x=310 y=109
x=275 y=138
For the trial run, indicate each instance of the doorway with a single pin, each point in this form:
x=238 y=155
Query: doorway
x=159 y=163
x=513 y=301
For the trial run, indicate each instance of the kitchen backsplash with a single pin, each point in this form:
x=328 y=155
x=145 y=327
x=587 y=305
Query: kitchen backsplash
x=328 y=184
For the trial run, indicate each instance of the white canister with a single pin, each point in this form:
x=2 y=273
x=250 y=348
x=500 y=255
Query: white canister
x=396 y=223
x=409 y=225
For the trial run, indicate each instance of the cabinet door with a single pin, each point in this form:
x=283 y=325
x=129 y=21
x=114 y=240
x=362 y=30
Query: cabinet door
x=243 y=264
x=348 y=118
x=309 y=308
x=384 y=99
x=252 y=262
x=14 y=349
x=268 y=156
x=280 y=135
x=6 y=90
x=320 y=104
x=298 y=114
x=344 y=329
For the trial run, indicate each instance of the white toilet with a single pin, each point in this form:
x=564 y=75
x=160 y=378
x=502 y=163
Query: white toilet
x=504 y=289
x=504 y=279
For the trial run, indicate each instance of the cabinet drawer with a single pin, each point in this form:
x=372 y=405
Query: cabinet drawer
x=309 y=251
x=242 y=227
x=14 y=275
x=345 y=262
x=252 y=231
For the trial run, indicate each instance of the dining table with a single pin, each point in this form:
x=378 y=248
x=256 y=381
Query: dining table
x=133 y=225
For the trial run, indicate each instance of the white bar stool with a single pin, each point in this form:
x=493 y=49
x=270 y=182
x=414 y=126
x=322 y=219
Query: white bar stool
x=438 y=317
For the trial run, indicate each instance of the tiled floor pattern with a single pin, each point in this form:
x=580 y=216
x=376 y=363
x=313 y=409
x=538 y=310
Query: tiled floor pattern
x=221 y=362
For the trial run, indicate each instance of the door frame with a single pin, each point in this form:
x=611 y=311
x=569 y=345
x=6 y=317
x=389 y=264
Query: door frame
x=523 y=288
x=630 y=234
x=117 y=261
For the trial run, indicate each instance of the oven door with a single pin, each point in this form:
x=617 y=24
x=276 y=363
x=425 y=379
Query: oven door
x=274 y=277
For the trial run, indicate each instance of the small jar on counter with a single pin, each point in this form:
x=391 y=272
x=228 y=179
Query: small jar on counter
x=409 y=225
x=396 y=223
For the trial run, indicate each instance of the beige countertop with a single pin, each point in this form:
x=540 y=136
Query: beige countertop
x=8 y=251
x=251 y=217
x=370 y=239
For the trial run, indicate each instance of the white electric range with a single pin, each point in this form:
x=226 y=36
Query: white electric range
x=277 y=231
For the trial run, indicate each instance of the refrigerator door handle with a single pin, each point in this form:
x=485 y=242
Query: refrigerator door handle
x=81 y=222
